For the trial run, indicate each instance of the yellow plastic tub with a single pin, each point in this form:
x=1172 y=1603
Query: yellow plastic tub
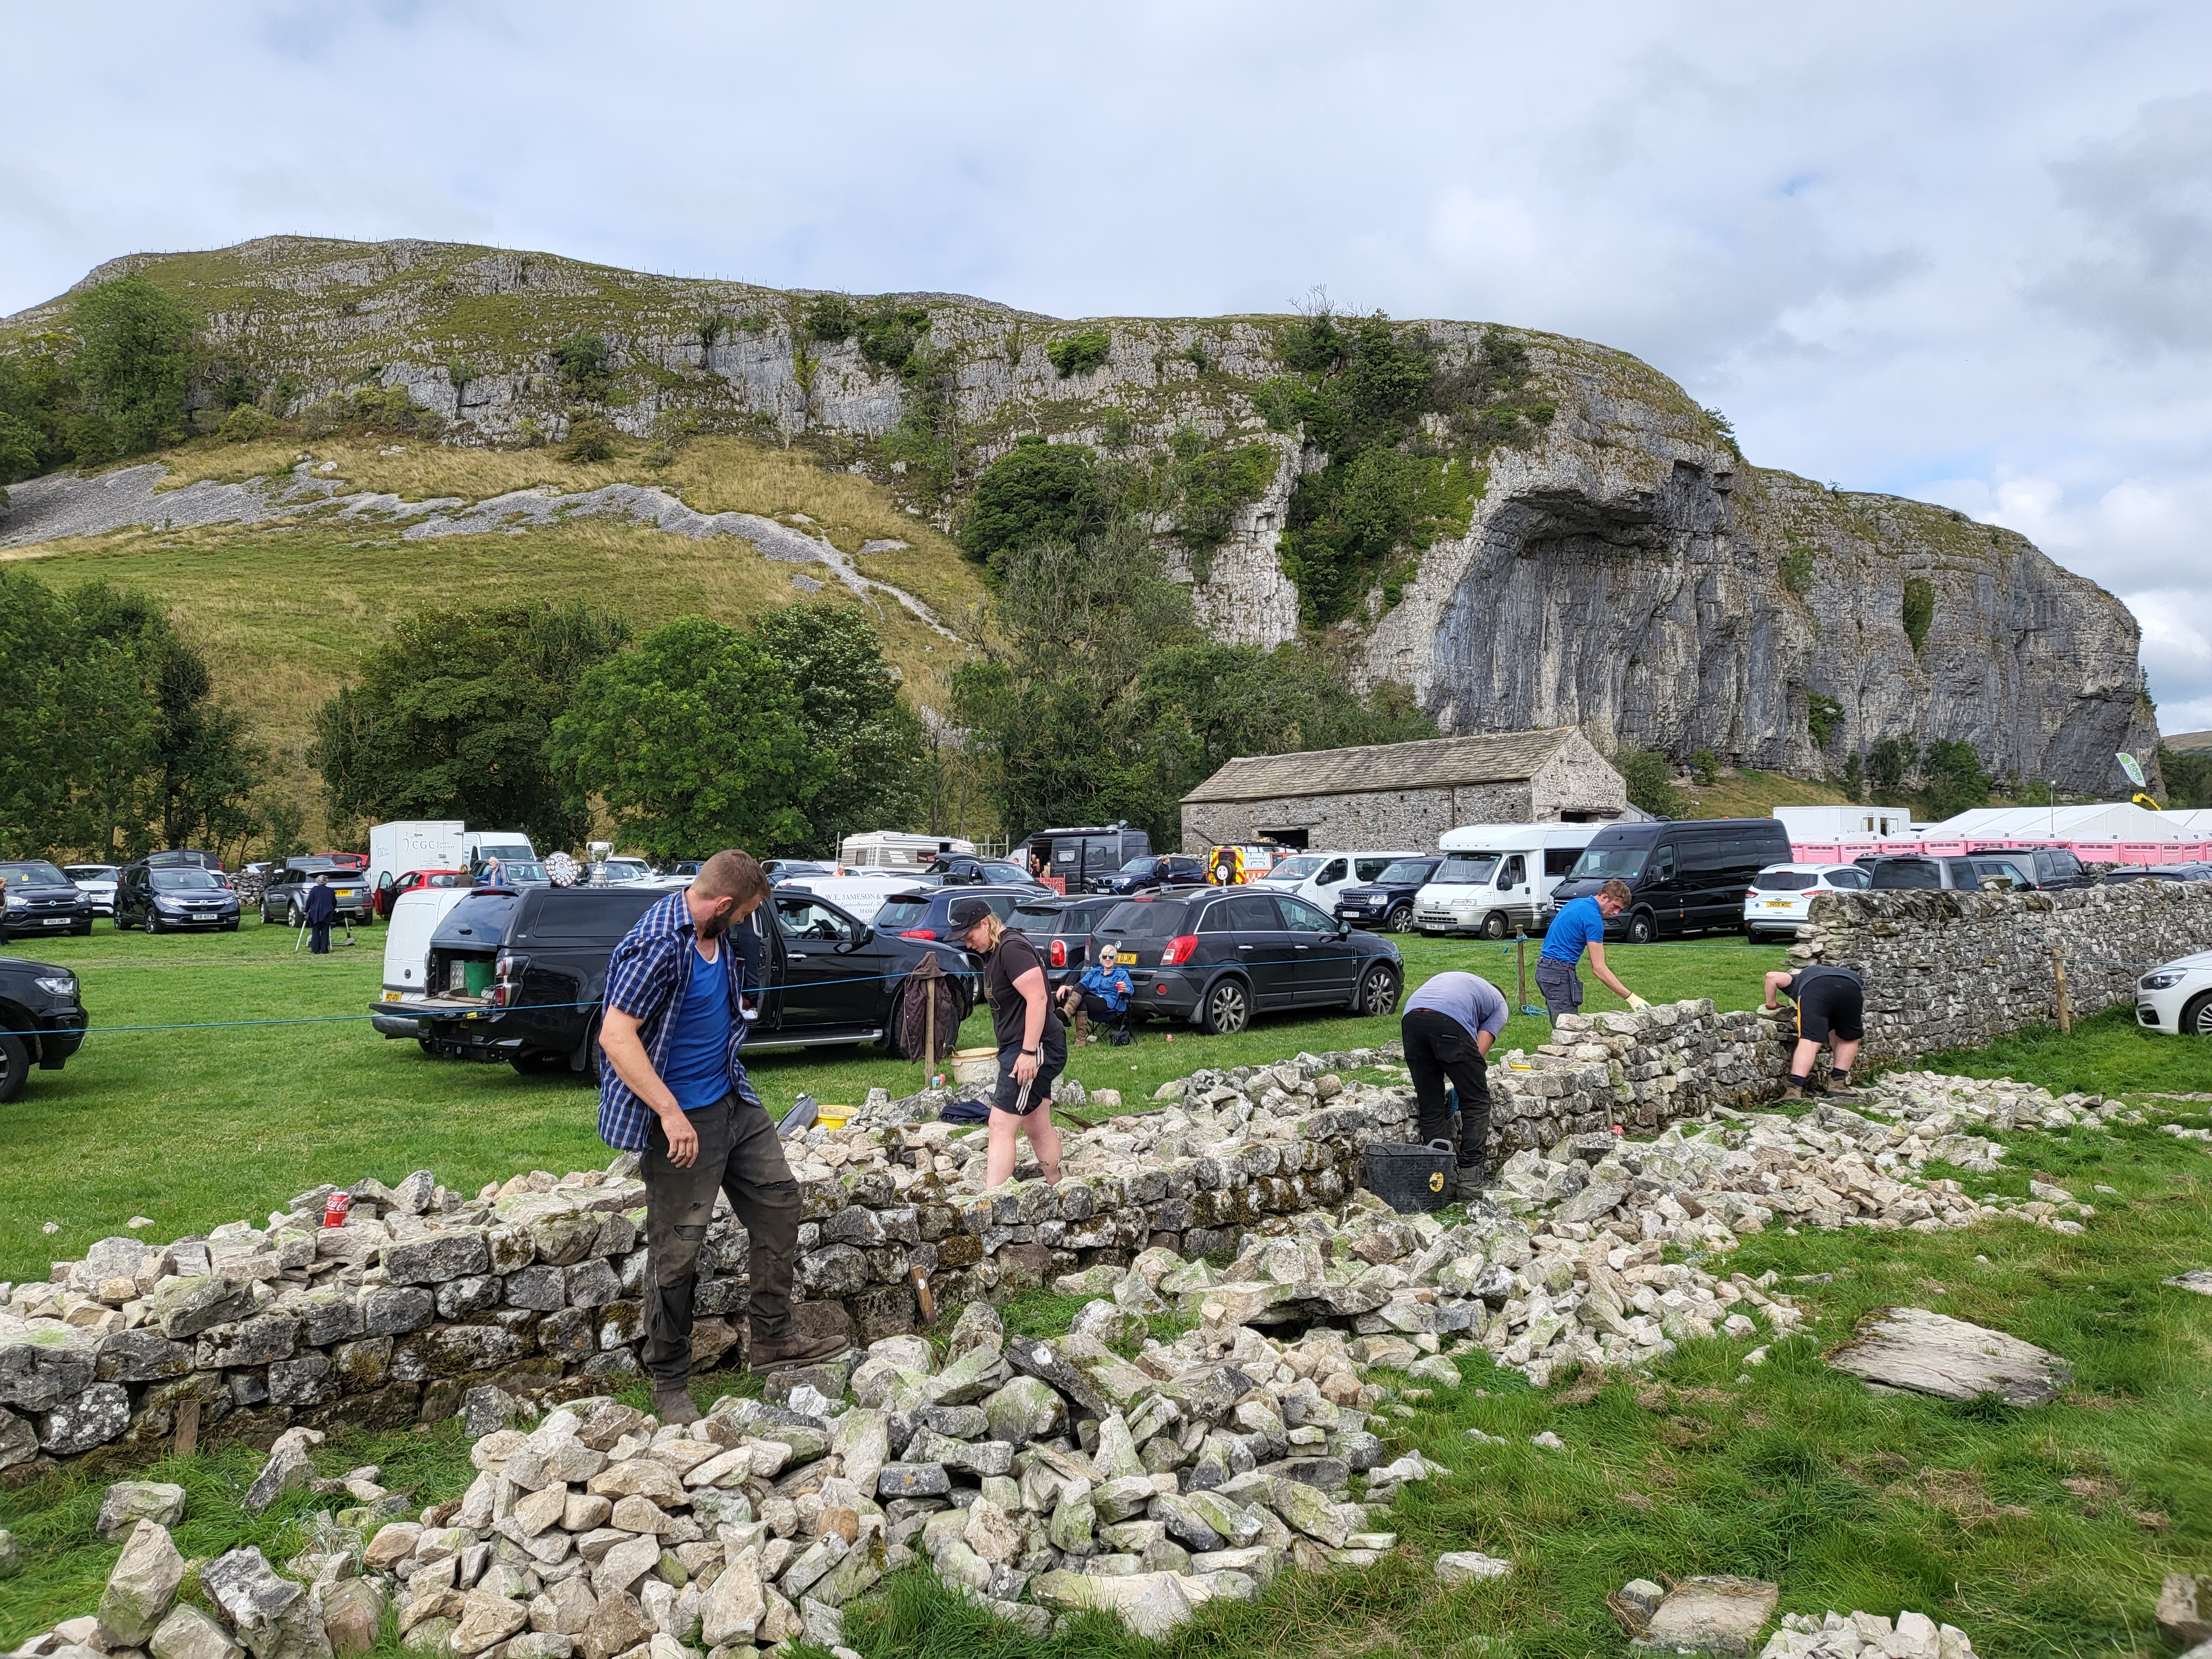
x=833 y=1117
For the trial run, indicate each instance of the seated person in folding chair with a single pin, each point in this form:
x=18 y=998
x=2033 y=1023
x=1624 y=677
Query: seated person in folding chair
x=1102 y=993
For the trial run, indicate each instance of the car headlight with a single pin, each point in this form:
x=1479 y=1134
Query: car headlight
x=2166 y=980
x=60 y=985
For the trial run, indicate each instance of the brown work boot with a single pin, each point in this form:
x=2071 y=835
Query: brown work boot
x=793 y=1346
x=674 y=1406
x=1835 y=1090
x=1793 y=1091
x=1082 y=1026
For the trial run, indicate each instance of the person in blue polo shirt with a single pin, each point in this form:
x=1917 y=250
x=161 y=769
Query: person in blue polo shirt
x=1581 y=923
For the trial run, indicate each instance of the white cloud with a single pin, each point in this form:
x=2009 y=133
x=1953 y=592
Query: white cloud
x=1959 y=253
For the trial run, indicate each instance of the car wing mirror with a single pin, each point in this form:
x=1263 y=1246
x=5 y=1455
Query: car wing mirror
x=1343 y=929
x=866 y=933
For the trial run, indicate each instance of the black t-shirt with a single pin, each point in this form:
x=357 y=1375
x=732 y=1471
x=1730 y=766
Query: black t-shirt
x=1009 y=1010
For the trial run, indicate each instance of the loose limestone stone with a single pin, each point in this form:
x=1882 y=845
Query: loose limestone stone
x=141 y=1587
x=353 y=1614
x=1717 y=1615
x=188 y=1633
x=1467 y=1566
x=734 y=1603
x=129 y=1502
x=1911 y=1348
x=2185 y=1609
x=92 y=1419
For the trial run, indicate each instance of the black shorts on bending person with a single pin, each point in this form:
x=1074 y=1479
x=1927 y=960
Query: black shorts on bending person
x=1007 y=1096
x=1832 y=1008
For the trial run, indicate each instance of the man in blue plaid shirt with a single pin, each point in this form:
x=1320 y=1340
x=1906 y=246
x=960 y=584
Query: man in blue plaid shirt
x=674 y=1090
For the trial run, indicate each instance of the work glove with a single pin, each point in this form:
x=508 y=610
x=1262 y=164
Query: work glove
x=1637 y=1004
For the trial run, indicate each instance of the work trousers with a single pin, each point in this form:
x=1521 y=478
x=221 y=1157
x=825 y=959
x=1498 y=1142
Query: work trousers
x=740 y=1154
x=318 y=938
x=1439 y=1047
x=1560 y=987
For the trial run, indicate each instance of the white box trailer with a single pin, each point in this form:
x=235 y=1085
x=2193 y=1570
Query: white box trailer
x=420 y=844
x=897 y=849
x=1497 y=878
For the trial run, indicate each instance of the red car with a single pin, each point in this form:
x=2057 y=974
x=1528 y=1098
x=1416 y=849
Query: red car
x=389 y=889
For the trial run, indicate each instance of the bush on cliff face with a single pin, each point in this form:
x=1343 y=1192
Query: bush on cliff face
x=1919 y=611
x=1078 y=354
x=1363 y=391
x=1035 y=492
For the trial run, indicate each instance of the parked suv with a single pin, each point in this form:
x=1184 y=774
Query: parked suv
x=1780 y=899
x=42 y=1021
x=96 y=881
x=40 y=899
x=1908 y=872
x=1215 y=958
x=966 y=870
x=1387 y=901
x=173 y=897
x=519 y=976
x=1154 y=870
x=927 y=912
x=2044 y=869
x=285 y=898
x=1062 y=929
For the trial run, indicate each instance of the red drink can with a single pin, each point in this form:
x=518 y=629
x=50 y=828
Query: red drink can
x=335 y=1208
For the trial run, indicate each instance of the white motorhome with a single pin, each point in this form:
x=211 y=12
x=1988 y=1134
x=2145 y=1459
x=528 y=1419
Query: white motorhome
x=1496 y=877
x=420 y=844
x=894 y=849
x=415 y=917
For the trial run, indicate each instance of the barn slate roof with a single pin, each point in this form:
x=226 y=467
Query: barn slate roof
x=1431 y=763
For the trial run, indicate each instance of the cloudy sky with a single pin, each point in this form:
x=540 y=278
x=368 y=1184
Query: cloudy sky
x=1958 y=252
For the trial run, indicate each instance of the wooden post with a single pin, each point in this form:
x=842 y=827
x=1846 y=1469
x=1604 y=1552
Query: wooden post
x=1521 y=969
x=922 y=1296
x=188 y=1427
x=2059 y=972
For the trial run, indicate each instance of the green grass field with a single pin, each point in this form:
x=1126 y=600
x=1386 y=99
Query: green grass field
x=226 y=1072
x=2040 y=1533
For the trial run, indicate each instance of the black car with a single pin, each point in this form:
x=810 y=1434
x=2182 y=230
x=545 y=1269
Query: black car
x=2042 y=869
x=182 y=857
x=40 y=899
x=1215 y=958
x=970 y=870
x=1153 y=872
x=41 y=1021
x=926 y=913
x=2129 y=874
x=520 y=976
x=1062 y=930
x=285 y=898
x=1387 y=901
x=1683 y=877
x=1917 y=872
x=172 y=897
x=779 y=870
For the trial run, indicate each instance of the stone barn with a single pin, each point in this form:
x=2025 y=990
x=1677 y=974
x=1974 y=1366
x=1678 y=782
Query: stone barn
x=1404 y=795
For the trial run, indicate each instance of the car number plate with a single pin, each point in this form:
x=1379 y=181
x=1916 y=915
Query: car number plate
x=392 y=996
x=1779 y=904
x=1126 y=958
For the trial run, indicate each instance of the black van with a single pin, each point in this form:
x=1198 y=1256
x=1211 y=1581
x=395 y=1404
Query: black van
x=1086 y=859
x=1685 y=876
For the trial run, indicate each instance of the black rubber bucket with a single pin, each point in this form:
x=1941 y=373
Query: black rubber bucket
x=1408 y=1177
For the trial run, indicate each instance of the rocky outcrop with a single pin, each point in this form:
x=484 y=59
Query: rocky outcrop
x=1628 y=573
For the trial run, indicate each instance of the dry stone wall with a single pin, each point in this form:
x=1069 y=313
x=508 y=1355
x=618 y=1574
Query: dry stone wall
x=1953 y=971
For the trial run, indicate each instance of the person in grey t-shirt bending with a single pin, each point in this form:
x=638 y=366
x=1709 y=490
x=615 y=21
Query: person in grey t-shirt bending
x=1448 y=1028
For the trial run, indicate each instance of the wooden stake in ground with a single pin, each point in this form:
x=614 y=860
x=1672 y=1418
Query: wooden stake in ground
x=188 y=1427
x=1521 y=969
x=2058 y=973
x=922 y=1295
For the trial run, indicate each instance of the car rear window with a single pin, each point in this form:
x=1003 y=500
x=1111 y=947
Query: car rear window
x=585 y=917
x=1153 y=921
x=478 y=922
x=1785 y=881
x=1915 y=873
x=907 y=911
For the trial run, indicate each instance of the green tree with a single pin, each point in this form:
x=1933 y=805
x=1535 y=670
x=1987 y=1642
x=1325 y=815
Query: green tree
x=871 y=743
x=581 y=363
x=1078 y=354
x=1889 y=763
x=2188 y=774
x=696 y=741
x=135 y=349
x=1035 y=492
x=1650 y=776
x=451 y=719
x=1953 y=780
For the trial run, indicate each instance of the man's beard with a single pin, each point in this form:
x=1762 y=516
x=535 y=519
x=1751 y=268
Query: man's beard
x=716 y=925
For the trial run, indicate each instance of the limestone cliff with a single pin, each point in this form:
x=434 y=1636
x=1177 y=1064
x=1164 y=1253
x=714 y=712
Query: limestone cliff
x=1626 y=572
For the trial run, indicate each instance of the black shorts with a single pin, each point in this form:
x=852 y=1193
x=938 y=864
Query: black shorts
x=1833 y=1006
x=1007 y=1096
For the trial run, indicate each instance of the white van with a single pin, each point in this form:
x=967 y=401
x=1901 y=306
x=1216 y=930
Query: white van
x=1497 y=878
x=415 y=916
x=1318 y=878
x=481 y=847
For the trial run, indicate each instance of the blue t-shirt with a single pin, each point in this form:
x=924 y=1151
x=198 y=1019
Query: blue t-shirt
x=1580 y=922
x=697 y=1071
x=1471 y=999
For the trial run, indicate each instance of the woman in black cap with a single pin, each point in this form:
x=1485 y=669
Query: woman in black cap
x=1032 y=1046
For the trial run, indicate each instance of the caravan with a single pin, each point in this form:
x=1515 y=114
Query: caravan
x=1497 y=878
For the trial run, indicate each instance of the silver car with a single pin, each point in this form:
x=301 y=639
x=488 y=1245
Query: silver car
x=97 y=879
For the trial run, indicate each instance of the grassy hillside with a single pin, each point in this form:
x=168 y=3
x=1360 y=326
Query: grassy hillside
x=1754 y=794
x=285 y=609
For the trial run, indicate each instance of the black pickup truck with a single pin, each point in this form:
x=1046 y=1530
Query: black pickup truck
x=41 y=1021
x=520 y=976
